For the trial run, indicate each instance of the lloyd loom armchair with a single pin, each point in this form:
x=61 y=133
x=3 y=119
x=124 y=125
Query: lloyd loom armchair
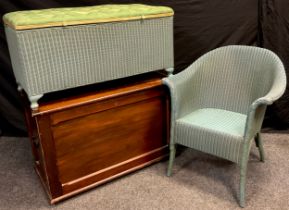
x=218 y=103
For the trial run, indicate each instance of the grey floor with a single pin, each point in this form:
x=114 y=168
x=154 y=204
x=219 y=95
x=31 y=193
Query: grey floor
x=199 y=181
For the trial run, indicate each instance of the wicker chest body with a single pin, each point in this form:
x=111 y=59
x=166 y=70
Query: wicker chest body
x=59 y=53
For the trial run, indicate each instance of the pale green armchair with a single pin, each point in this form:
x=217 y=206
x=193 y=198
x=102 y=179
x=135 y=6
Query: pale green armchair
x=218 y=103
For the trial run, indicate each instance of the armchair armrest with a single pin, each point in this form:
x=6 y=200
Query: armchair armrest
x=183 y=92
x=257 y=109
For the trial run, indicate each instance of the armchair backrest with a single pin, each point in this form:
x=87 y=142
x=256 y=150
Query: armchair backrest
x=233 y=77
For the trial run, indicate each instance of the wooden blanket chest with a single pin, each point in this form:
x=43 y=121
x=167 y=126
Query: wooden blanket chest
x=85 y=140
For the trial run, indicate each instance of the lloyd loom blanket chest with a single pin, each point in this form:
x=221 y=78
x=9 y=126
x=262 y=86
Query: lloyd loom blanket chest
x=56 y=49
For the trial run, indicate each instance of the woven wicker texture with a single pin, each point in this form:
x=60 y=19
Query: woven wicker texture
x=218 y=103
x=216 y=131
x=52 y=59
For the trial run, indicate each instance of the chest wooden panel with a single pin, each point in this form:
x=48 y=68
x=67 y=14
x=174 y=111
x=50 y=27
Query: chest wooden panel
x=86 y=140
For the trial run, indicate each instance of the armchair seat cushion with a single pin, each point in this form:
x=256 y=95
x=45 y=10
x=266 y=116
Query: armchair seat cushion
x=218 y=130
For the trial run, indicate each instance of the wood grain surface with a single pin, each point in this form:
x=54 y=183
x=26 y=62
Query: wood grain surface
x=84 y=140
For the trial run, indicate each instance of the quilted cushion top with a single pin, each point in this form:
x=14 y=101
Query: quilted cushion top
x=83 y=15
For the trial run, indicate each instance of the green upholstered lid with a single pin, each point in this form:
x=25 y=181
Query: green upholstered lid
x=83 y=15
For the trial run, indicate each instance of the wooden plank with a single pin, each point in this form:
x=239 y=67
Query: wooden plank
x=91 y=143
x=48 y=155
x=95 y=96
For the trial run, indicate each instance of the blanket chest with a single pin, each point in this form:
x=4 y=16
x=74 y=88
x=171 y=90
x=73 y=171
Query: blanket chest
x=84 y=140
x=61 y=48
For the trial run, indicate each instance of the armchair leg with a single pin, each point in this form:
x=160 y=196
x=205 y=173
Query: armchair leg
x=171 y=160
x=243 y=172
x=259 y=144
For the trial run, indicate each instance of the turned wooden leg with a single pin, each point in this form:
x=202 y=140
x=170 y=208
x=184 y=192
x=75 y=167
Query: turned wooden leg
x=34 y=101
x=19 y=88
x=170 y=71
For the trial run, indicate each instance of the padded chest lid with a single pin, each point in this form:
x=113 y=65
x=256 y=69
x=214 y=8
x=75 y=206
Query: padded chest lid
x=30 y=19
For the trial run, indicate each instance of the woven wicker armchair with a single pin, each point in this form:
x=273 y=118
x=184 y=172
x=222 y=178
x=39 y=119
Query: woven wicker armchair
x=218 y=103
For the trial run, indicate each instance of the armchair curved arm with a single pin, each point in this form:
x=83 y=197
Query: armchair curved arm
x=257 y=109
x=179 y=86
x=182 y=87
x=255 y=118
